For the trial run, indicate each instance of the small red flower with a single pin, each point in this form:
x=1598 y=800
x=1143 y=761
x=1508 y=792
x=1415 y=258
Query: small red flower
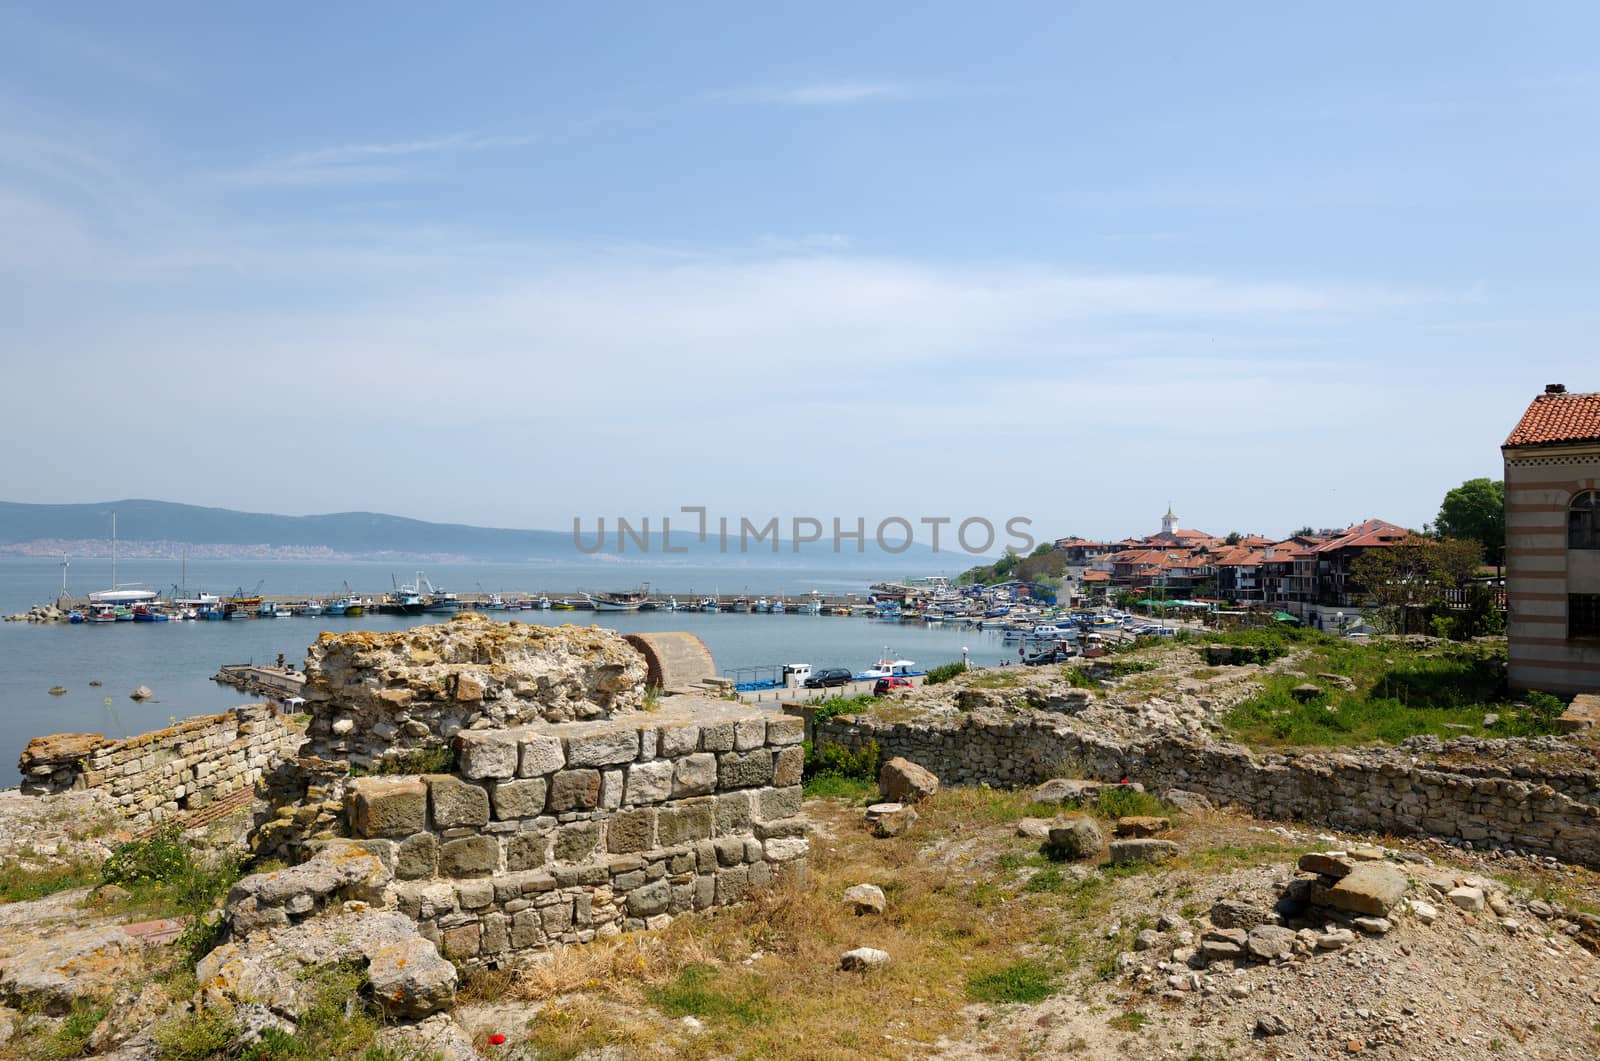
x=497 y=1039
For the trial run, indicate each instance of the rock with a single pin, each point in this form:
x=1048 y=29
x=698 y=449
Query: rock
x=890 y=819
x=1270 y=1024
x=866 y=898
x=1187 y=802
x=1373 y=926
x=1371 y=888
x=1498 y=904
x=1539 y=909
x=1232 y=913
x=862 y=959
x=1270 y=941
x=1075 y=837
x=1142 y=825
x=1064 y=790
x=437 y=1037
x=408 y=977
x=1147 y=939
x=1368 y=854
x=1034 y=828
x=1129 y=852
x=903 y=781
x=58 y=690
x=339 y=871
x=142 y=693
x=1326 y=864
x=55 y=968
x=1306 y=692
x=1335 y=939
x=108 y=893
x=1469 y=899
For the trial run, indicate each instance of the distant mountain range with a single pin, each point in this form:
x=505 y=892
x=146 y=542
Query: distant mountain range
x=163 y=528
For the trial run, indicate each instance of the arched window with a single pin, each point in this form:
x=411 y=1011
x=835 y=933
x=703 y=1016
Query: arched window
x=1583 y=521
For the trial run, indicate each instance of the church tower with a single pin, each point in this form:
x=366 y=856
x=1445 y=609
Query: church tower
x=1169 y=522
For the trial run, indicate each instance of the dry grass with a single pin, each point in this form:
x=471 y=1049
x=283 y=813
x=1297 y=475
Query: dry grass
x=764 y=978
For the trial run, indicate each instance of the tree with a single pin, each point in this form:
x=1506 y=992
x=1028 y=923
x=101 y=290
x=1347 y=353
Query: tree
x=1476 y=511
x=1414 y=573
x=1233 y=538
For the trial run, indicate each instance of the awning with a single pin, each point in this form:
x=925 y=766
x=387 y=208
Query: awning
x=1285 y=617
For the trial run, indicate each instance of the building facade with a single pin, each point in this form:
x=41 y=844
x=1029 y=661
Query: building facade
x=1552 y=475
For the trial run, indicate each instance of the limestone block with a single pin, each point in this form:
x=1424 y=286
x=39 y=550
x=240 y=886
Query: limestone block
x=540 y=756
x=649 y=782
x=603 y=748
x=575 y=790
x=470 y=856
x=744 y=769
x=488 y=755
x=694 y=775
x=457 y=804
x=392 y=808
x=525 y=851
x=684 y=823
x=775 y=803
x=786 y=729
x=631 y=831
x=577 y=842
x=519 y=799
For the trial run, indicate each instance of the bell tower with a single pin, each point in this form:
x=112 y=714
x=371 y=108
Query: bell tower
x=1169 y=522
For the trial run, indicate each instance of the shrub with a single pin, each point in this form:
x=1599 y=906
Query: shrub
x=163 y=868
x=944 y=672
x=833 y=758
x=835 y=706
x=437 y=759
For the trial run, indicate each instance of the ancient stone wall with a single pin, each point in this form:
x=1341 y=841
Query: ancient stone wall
x=1388 y=791
x=156 y=776
x=375 y=696
x=558 y=833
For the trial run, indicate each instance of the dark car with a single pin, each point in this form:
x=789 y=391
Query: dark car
x=885 y=686
x=824 y=679
x=1049 y=655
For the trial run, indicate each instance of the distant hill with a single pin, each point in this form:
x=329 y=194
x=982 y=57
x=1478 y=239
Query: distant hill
x=48 y=529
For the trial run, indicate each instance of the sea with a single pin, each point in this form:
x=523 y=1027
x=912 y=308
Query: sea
x=177 y=659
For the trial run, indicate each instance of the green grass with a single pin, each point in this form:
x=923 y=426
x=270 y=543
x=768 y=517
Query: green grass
x=1130 y=1021
x=1025 y=981
x=838 y=786
x=1399 y=691
x=698 y=991
x=835 y=706
x=19 y=883
x=65 y=1039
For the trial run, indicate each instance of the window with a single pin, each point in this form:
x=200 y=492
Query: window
x=1583 y=521
x=1583 y=615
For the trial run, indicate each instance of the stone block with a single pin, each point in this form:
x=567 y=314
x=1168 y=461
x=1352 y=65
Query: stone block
x=749 y=734
x=716 y=737
x=496 y=937
x=385 y=808
x=1127 y=852
x=527 y=930
x=417 y=857
x=685 y=823
x=773 y=804
x=788 y=766
x=461 y=941
x=525 y=850
x=785 y=848
x=1370 y=888
x=1326 y=864
x=520 y=799
x=471 y=856
x=457 y=804
x=732 y=885
x=556 y=918
x=786 y=729
x=577 y=842
x=575 y=790
x=540 y=756
x=650 y=899
x=630 y=831
x=694 y=775
x=475 y=895
x=649 y=782
x=734 y=813
x=606 y=747
x=678 y=739
x=487 y=755
x=611 y=787
x=744 y=769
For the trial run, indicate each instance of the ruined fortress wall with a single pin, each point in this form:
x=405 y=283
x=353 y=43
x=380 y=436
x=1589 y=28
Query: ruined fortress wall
x=156 y=776
x=375 y=696
x=1368 y=790
x=558 y=833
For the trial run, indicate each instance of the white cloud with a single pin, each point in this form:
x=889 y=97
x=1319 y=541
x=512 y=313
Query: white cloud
x=366 y=162
x=826 y=93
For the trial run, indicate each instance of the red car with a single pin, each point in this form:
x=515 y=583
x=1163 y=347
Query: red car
x=885 y=686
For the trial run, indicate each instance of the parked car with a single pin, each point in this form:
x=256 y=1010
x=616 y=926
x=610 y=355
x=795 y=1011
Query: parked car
x=885 y=686
x=1049 y=655
x=828 y=678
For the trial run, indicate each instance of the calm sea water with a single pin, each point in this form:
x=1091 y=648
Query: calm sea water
x=176 y=659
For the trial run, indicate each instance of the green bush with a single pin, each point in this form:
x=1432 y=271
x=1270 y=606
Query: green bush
x=162 y=870
x=833 y=758
x=835 y=706
x=945 y=672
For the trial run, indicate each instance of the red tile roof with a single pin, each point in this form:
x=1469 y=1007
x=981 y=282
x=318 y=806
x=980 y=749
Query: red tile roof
x=1364 y=535
x=1556 y=418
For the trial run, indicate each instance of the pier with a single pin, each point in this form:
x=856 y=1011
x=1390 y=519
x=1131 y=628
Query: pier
x=280 y=683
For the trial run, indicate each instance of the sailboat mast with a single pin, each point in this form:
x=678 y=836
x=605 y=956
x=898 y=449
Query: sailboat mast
x=113 y=550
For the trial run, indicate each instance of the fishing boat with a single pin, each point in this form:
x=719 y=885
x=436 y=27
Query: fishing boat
x=149 y=613
x=311 y=607
x=543 y=603
x=741 y=604
x=337 y=606
x=103 y=613
x=497 y=603
x=626 y=601
x=778 y=607
x=267 y=610
x=75 y=617
x=435 y=600
x=710 y=605
x=564 y=605
x=891 y=668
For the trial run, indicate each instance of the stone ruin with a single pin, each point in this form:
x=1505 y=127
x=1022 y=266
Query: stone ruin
x=373 y=696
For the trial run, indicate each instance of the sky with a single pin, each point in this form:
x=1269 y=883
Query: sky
x=512 y=264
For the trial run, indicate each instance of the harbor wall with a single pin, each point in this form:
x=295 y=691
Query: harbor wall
x=157 y=776
x=553 y=834
x=1394 y=791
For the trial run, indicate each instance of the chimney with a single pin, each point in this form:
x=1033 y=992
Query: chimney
x=1555 y=388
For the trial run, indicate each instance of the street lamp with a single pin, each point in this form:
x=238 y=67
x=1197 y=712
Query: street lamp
x=964 y=664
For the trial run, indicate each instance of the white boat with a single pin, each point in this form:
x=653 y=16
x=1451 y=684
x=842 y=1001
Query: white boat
x=311 y=607
x=778 y=607
x=496 y=603
x=891 y=668
x=710 y=605
x=543 y=603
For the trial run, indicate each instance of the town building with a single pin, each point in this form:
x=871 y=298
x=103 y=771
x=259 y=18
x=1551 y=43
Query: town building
x=1552 y=477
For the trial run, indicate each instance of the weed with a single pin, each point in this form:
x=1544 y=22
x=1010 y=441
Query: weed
x=1025 y=981
x=439 y=759
x=698 y=992
x=835 y=706
x=197 y=1035
x=1130 y=1021
x=944 y=672
x=20 y=882
x=831 y=757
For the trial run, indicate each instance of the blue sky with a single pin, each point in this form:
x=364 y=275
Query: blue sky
x=508 y=264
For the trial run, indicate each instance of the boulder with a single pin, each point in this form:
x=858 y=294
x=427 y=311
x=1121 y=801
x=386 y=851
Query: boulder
x=339 y=871
x=1270 y=1024
x=57 y=967
x=1034 y=828
x=1469 y=899
x=1370 y=888
x=1233 y=913
x=1326 y=863
x=1268 y=942
x=142 y=693
x=1187 y=802
x=890 y=819
x=1075 y=837
x=437 y=1037
x=863 y=958
x=1131 y=852
x=1142 y=825
x=1306 y=692
x=866 y=898
x=903 y=781
x=1065 y=790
